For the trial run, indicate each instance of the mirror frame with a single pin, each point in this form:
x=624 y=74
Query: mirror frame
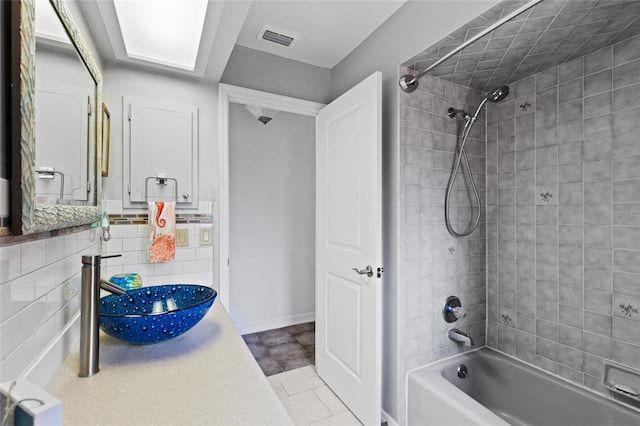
x=37 y=217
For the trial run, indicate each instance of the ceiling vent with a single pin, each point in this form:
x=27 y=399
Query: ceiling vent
x=277 y=35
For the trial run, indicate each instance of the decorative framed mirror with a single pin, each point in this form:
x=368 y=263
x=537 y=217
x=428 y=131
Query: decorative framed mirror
x=31 y=211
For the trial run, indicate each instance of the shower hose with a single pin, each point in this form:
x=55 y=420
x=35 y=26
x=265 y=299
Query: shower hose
x=462 y=157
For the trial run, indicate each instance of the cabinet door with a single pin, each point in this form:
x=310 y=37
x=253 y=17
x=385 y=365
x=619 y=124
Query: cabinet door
x=161 y=140
x=62 y=129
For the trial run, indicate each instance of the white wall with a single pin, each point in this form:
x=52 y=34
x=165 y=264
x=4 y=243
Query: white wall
x=269 y=73
x=121 y=81
x=414 y=27
x=272 y=220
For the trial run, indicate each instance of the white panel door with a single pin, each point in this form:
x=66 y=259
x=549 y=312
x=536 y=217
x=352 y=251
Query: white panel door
x=349 y=235
x=62 y=130
x=162 y=141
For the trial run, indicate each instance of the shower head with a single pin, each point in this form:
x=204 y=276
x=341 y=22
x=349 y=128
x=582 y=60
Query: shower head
x=498 y=94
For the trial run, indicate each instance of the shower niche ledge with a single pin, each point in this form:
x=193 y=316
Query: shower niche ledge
x=622 y=380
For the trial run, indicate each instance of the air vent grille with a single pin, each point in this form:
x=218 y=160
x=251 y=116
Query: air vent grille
x=277 y=38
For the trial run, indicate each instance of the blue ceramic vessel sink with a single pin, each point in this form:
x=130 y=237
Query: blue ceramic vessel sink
x=153 y=314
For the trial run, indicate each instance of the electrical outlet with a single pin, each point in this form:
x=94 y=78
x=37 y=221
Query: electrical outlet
x=182 y=237
x=205 y=236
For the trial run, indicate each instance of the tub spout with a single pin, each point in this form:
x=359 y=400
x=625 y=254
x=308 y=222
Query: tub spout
x=461 y=337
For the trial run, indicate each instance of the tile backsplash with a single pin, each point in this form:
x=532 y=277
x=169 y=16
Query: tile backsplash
x=39 y=295
x=132 y=242
x=563 y=216
x=130 y=238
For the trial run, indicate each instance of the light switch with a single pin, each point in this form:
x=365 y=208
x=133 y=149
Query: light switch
x=182 y=237
x=205 y=236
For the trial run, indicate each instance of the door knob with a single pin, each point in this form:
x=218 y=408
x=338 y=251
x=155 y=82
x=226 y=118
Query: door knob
x=368 y=271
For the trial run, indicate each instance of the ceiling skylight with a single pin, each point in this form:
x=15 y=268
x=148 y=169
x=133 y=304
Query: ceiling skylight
x=163 y=31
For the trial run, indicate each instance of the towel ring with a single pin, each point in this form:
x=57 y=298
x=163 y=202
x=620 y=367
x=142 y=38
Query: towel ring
x=160 y=181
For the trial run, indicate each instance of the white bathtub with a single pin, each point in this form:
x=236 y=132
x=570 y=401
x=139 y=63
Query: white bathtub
x=499 y=390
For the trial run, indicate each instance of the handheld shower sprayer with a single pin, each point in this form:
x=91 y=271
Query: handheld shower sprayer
x=496 y=95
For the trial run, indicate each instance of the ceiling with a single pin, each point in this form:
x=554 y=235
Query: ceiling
x=550 y=33
x=324 y=31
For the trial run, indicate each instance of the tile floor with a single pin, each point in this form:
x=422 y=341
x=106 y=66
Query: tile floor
x=308 y=400
x=283 y=349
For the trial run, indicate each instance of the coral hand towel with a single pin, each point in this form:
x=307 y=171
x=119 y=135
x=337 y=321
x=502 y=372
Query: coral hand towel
x=162 y=227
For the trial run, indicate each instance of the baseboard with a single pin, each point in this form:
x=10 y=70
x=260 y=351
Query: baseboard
x=386 y=417
x=271 y=323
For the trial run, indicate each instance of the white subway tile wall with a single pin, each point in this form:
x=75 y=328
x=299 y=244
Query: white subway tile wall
x=132 y=242
x=40 y=284
x=39 y=295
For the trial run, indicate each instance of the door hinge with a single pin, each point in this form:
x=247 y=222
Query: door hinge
x=89 y=107
x=88 y=186
x=380 y=271
x=129 y=188
x=129 y=113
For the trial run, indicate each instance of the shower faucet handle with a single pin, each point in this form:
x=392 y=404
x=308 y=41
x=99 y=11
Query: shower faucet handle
x=453 y=310
x=459 y=312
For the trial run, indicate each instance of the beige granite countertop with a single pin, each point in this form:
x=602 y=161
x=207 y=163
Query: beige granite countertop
x=205 y=376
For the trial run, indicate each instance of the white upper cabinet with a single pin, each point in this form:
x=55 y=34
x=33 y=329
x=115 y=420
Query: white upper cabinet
x=161 y=152
x=62 y=128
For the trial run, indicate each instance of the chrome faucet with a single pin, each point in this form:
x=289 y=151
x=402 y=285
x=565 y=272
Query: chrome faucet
x=460 y=337
x=90 y=312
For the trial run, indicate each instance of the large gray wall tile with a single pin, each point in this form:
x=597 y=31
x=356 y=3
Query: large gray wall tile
x=561 y=268
x=571 y=91
x=626 y=74
x=549 y=97
x=626 y=191
x=597 y=105
x=598 y=61
x=626 y=261
x=597 y=83
x=628 y=97
x=626 y=121
x=625 y=51
x=597 y=149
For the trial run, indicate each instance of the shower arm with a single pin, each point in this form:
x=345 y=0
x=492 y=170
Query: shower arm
x=408 y=83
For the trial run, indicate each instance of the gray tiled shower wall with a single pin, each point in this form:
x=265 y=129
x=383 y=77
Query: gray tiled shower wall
x=433 y=264
x=563 y=216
